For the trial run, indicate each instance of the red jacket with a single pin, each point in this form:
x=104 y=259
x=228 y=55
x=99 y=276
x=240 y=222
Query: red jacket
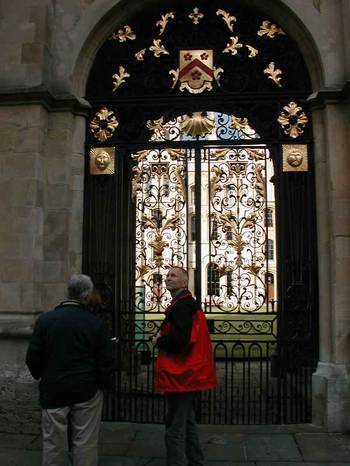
x=192 y=368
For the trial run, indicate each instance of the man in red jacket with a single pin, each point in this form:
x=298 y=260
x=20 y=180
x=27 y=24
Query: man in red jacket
x=184 y=366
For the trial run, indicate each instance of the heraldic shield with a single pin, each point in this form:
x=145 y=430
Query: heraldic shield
x=196 y=70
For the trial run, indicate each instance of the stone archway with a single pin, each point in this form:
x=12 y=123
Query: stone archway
x=104 y=133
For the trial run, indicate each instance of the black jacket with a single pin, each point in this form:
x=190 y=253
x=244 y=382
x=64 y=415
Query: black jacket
x=180 y=315
x=71 y=353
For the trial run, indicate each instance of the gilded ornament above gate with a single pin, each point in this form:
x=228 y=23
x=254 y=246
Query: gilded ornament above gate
x=162 y=23
x=274 y=73
x=124 y=34
x=196 y=71
x=293 y=120
x=102 y=161
x=269 y=29
x=229 y=19
x=230 y=51
x=196 y=15
x=104 y=124
x=197 y=124
x=295 y=158
x=120 y=78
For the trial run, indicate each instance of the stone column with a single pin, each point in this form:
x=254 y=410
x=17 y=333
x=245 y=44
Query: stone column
x=22 y=149
x=63 y=195
x=331 y=381
x=41 y=205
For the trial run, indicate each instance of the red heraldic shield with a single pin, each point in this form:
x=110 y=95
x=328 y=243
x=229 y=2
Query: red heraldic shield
x=196 y=70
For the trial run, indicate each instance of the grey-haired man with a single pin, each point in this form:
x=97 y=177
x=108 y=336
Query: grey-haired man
x=71 y=353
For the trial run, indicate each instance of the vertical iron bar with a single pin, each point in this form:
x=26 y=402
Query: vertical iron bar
x=198 y=204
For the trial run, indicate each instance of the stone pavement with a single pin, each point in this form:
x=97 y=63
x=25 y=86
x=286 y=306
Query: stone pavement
x=128 y=444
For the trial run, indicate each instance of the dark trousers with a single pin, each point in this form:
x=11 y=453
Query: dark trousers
x=181 y=434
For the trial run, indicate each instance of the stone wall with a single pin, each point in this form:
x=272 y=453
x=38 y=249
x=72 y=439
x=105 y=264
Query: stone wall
x=41 y=200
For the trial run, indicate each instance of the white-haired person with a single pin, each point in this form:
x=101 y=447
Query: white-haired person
x=71 y=353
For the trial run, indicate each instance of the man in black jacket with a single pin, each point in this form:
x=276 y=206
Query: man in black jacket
x=71 y=353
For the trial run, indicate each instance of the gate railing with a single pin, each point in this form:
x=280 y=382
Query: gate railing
x=258 y=383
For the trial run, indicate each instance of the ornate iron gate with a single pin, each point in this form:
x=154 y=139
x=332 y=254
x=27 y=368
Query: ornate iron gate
x=221 y=184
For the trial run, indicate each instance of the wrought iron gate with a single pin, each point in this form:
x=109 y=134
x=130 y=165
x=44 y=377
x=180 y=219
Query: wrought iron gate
x=229 y=196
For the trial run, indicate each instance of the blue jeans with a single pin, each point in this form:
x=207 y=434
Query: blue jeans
x=181 y=433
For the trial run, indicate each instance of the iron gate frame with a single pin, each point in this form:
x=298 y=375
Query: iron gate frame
x=109 y=220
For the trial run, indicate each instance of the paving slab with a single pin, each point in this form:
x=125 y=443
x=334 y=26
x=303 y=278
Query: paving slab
x=292 y=463
x=117 y=435
x=16 y=440
x=324 y=447
x=20 y=458
x=118 y=461
x=147 y=448
x=152 y=462
x=113 y=449
x=278 y=447
x=224 y=447
x=228 y=463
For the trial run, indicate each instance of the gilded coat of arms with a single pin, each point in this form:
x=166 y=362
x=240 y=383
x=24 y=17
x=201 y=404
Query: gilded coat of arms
x=196 y=71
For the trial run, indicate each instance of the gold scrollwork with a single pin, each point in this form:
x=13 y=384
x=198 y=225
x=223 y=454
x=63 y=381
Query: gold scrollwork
x=159 y=168
x=140 y=155
x=103 y=124
x=256 y=154
x=229 y=20
x=142 y=270
x=239 y=244
x=242 y=125
x=140 y=55
x=259 y=179
x=234 y=46
x=196 y=15
x=162 y=23
x=274 y=73
x=215 y=186
x=176 y=154
x=295 y=157
x=175 y=76
x=180 y=181
x=237 y=168
x=217 y=72
x=253 y=268
x=120 y=78
x=158 y=244
x=136 y=183
x=217 y=154
x=238 y=123
x=197 y=124
x=124 y=34
x=293 y=120
x=157 y=48
x=252 y=51
x=102 y=160
x=225 y=269
x=154 y=125
x=269 y=29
